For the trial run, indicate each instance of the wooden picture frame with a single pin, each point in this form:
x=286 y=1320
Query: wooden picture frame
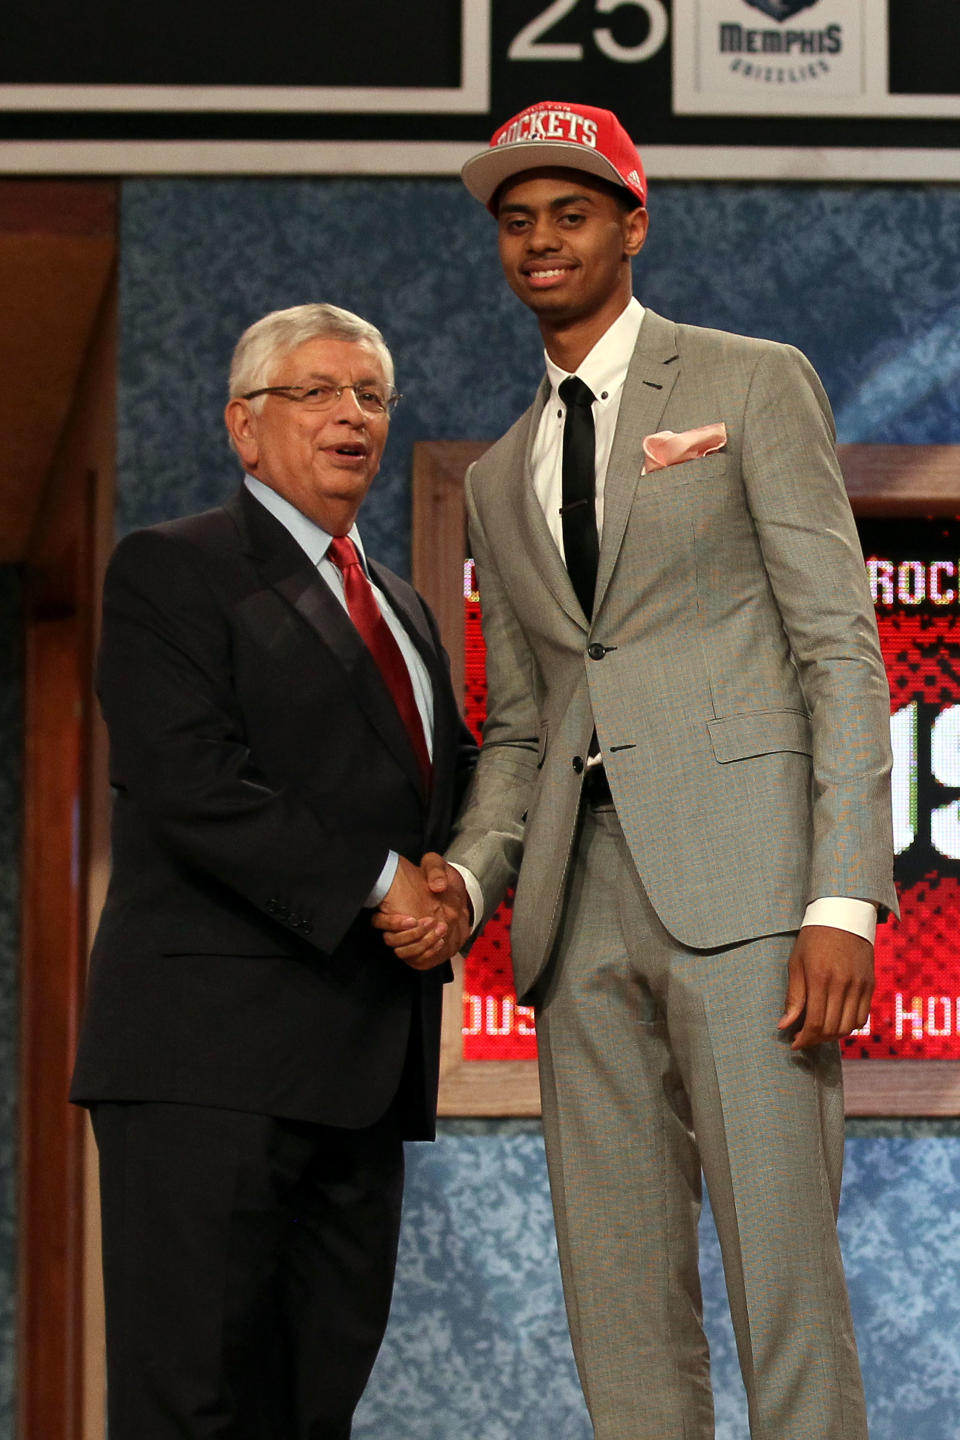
x=882 y=480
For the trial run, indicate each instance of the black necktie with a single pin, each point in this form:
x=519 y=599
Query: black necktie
x=578 y=511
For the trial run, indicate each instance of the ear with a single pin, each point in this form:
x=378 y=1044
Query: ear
x=241 y=422
x=635 y=225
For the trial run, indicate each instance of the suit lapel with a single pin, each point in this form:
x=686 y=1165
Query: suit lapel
x=285 y=567
x=513 y=521
x=446 y=719
x=651 y=376
x=446 y=716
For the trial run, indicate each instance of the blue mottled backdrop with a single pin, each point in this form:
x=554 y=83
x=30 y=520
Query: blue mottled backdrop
x=866 y=280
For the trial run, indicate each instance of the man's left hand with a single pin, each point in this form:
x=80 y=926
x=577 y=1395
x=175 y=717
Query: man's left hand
x=829 y=987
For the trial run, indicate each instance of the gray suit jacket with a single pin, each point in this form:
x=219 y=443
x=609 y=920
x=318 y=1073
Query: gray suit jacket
x=732 y=668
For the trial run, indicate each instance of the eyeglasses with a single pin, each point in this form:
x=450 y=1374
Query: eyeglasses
x=321 y=395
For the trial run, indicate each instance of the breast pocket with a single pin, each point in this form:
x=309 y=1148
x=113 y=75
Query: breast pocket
x=705 y=470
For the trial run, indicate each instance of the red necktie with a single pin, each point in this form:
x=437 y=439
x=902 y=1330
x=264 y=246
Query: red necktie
x=378 y=638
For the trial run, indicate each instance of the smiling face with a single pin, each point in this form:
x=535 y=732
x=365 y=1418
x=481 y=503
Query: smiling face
x=565 y=246
x=323 y=462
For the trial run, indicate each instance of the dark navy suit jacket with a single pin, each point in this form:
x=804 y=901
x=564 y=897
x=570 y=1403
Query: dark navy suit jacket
x=261 y=773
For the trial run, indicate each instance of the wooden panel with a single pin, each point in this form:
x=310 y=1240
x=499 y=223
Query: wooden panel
x=902 y=479
x=57 y=249
x=48 y=318
x=58 y=1292
x=467 y=1087
x=50 y=1163
x=881 y=480
x=480 y=1087
x=902 y=1087
x=68 y=207
x=439 y=541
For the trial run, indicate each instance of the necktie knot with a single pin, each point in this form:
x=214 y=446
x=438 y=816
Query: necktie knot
x=343 y=552
x=573 y=391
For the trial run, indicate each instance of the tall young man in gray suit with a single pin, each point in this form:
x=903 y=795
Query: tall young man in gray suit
x=687 y=744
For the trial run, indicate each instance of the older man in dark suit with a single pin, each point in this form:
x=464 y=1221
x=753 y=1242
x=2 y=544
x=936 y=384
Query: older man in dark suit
x=283 y=737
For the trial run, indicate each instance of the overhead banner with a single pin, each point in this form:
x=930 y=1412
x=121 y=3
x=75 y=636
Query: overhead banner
x=413 y=89
x=814 y=57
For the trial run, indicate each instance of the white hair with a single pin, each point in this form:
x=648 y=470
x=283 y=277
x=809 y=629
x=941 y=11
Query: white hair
x=263 y=343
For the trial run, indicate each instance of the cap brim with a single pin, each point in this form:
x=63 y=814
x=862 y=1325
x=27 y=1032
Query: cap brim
x=483 y=174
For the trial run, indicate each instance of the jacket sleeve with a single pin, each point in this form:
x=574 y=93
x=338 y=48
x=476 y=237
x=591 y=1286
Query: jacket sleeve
x=813 y=560
x=488 y=835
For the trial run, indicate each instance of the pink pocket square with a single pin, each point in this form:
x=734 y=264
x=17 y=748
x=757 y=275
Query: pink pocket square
x=668 y=447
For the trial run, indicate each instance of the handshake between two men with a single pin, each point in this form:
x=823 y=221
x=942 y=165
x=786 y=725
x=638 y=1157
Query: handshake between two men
x=426 y=915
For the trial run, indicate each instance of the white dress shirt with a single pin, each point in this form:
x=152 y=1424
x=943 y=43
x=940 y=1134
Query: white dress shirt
x=604 y=370
x=315 y=542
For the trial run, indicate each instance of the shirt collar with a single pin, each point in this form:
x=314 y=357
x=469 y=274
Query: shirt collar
x=605 y=367
x=311 y=537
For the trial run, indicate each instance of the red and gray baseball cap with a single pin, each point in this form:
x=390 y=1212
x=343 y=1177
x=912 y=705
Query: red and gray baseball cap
x=555 y=132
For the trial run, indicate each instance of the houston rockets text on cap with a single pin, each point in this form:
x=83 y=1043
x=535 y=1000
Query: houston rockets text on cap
x=554 y=132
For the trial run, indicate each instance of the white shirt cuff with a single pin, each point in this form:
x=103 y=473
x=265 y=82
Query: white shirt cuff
x=474 y=893
x=384 y=881
x=843 y=913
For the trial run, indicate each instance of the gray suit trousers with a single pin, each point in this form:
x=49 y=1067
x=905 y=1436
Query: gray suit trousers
x=657 y=1062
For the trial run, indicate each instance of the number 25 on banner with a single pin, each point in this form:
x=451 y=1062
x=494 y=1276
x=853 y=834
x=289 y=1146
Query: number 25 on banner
x=527 y=44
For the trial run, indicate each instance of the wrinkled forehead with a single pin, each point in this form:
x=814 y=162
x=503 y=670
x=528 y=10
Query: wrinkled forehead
x=327 y=358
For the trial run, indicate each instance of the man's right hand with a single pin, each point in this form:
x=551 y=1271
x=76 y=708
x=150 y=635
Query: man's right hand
x=441 y=929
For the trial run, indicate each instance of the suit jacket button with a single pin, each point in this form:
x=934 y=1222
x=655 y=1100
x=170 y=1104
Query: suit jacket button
x=596 y=651
x=577 y=763
x=272 y=906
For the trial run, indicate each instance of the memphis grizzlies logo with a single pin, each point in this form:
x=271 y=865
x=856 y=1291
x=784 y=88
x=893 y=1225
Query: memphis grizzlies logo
x=781 y=9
